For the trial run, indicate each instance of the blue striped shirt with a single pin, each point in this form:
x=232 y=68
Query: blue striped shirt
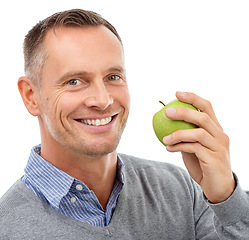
x=68 y=195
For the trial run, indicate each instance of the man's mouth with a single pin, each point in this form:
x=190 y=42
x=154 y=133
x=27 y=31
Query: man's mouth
x=96 y=122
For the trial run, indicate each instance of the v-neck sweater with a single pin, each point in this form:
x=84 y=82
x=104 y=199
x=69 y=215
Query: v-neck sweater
x=158 y=201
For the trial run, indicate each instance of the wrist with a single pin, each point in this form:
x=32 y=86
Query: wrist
x=223 y=195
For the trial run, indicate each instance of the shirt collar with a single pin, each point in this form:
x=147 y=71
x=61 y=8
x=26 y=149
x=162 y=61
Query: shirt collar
x=52 y=182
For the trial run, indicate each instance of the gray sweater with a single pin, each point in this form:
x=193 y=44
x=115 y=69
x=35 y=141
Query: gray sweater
x=159 y=201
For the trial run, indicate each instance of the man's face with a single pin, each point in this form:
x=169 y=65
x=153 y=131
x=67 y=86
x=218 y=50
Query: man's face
x=84 y=98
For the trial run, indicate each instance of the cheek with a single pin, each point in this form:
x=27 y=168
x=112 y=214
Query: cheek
x=63 y=104
x=56 y=104
x=67 y=104
x=123 y=97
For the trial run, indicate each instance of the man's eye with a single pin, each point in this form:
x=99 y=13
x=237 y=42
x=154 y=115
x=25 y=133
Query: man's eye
x=73 y=82
x=113 y=78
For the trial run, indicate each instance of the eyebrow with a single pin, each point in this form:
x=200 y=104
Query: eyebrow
x=116 y=69
x=70 y=75
x=74 y=74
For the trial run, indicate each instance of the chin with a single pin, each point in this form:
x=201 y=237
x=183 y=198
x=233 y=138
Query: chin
x=94 y=149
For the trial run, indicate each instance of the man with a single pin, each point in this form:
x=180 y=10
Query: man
x=76 y=186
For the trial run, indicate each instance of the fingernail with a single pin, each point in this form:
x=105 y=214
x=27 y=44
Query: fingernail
x=167 y=139
x=182 y=94
x=170 y=111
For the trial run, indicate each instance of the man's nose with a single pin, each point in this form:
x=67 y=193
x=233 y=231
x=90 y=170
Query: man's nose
x=99 y=96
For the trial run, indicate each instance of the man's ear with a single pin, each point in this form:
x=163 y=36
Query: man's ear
x=29 y=96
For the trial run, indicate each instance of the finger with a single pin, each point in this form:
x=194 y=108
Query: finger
x=193 y=166
x=200 y=119
x=202 y=104
x=204 y=155
x=192 y=135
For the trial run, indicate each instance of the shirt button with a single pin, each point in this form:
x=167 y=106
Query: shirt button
x=73 y=199
x=79 y=187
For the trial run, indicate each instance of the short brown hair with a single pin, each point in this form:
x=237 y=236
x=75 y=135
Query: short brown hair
x=34 y=51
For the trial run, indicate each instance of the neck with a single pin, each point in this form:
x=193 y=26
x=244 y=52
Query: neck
x=98 y=173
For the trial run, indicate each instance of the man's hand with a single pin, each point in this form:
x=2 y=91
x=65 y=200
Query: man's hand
x=205 y=150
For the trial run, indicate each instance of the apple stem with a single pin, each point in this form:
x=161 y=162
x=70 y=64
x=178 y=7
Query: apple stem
x=162 y=103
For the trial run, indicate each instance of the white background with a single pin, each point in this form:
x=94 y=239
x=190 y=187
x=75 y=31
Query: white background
x=198 y=46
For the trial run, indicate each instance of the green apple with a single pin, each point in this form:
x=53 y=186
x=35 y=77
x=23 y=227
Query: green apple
x=164 y=126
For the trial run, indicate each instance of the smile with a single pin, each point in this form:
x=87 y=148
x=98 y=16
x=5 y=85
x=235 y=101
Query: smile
x=95 y=122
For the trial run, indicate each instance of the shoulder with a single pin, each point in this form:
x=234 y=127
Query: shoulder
x=15 y=202
x=138 y=164
x=20 y=209
x=155 y=171
x=13 y=198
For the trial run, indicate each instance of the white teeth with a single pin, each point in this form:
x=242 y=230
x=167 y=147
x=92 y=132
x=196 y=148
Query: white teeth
x=97 y=122
x=103 y=121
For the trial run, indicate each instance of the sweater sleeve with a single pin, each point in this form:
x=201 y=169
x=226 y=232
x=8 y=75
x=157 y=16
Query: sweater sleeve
x=231 y=217
x=226 y=220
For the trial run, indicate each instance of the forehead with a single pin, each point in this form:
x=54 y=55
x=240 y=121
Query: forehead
x=89 y=37
x=82 y=47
